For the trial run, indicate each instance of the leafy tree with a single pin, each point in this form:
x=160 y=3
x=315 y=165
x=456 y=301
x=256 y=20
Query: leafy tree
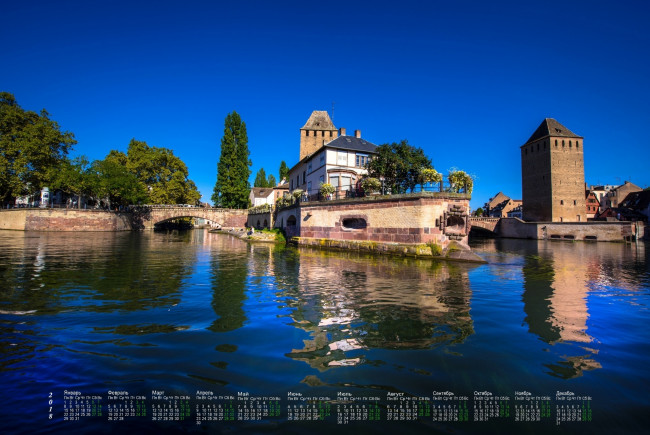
x=479 y=212
x=400 y=164
x=284 y=170
x=232 y=187
x=113 y=181
x=271 y=181
x=260 y=179
x=162 y=175
x=73 y=177
x=31 y=146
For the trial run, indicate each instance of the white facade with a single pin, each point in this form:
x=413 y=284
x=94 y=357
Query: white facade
x=341 y=168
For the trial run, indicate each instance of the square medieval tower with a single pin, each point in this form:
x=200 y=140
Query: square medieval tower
x=553 y=175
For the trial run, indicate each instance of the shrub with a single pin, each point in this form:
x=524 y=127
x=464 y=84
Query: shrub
x=370 y=184
x=327 y=189
x=297 y=193
x=436 y=249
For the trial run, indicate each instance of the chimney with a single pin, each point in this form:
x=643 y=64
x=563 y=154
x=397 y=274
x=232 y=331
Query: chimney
x=357 y=134
x=341 y=131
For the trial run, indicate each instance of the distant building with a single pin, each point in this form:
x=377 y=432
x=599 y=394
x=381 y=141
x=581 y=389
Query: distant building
x=339 y=161
x=552 y=175
x=516 y=212
x=600 y=191
x=500 y=205
x=592 y=204
x=266 y=195
x=638 y=202
x=617 y=194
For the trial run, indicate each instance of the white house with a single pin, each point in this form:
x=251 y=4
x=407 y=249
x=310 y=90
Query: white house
x=327 y=155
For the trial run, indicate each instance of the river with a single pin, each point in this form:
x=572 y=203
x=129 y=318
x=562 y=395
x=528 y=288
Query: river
x=193 y=331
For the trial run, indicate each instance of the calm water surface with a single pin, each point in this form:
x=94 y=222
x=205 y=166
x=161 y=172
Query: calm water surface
x=193 y=311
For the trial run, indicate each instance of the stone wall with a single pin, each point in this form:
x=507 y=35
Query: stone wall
x=405 y=219
x=589 y=231
x=260 y=220
x=146 y=217
x=64 y=220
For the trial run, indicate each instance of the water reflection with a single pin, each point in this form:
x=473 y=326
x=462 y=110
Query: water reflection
x=349 y=303
x=229 y=272
x=558 y=278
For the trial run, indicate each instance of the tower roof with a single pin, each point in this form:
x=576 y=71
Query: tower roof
x=319 y=120
x=550 y=127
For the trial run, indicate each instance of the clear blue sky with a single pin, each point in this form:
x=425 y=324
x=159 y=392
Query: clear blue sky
x=467 y=81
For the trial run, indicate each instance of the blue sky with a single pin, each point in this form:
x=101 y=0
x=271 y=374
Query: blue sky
x=467 y=81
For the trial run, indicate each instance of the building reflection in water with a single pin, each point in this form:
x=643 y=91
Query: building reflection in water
x=350 y=303
x=558 y=278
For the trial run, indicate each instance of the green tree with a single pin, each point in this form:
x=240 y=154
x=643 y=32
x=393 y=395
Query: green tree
x=31 y=146
x=260 y=179
x=479 y=212
x=113 y=181
x=162 y=175
x=73 y=176
x=400 y=164
x=284 y=171
x=232 y=187
x=271 y=181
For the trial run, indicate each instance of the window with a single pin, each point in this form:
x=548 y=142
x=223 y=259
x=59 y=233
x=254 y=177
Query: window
x=342 y=158
x=304 y=177
x=577 y=144
x=309 y=168
x=556 y=142
x=330 y=133
x=306 y=132
x=309 y=187
x=562 y=143
x=561 y=202
x=321 y=179
x=322 y=158
x=334 y=181
x=575 y=202
x=361 y=160
x=570 y=145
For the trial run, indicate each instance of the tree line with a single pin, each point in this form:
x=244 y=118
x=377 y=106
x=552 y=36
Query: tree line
x=34 y=153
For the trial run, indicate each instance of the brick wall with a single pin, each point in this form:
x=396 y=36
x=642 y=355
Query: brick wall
x=404 y=219
x=64 y=220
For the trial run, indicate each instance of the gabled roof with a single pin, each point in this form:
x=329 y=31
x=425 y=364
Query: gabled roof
x=550 y=127
x=498 y=199
x=319 y=120
x=352 y=143
x=261 y=192
x=637 y=201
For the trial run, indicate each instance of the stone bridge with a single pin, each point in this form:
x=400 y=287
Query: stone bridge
x=145 y=217
x=486 y=224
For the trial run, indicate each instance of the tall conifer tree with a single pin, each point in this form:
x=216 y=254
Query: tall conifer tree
x=232 y=187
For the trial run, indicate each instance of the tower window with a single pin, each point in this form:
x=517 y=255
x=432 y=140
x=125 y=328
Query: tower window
x=577 y=144
x=556 y=142
x=570 y=146
x=562 y=143
x=575 y=202
x=330 y=133
x=306 y=132
x=561 y=202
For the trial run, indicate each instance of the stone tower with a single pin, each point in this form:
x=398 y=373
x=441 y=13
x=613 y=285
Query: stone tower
x=318 y=130
x=553 y=175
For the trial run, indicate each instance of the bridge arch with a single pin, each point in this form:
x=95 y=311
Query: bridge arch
x=148 y=216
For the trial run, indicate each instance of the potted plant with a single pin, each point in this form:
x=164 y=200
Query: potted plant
x=371 y=185
x=326 y=190
x=459 y=179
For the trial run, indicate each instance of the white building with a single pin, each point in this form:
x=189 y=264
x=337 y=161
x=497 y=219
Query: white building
x=327 y=155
